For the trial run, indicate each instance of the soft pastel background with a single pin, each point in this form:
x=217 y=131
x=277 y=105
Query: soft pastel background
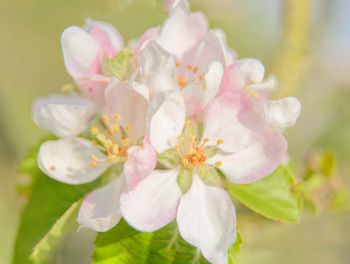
x=311 y=56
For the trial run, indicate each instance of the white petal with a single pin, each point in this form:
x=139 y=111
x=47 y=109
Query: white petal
x=124 y=98
x=80 y=51
x=247 y=71
x=182 y=31
x=64 y=116
x=167 y=122
x=254 y=162
x=67 y=160
x=213 y=80
x=230 y=55
x=100 y=209
x=157 y=69
x=153 y=203
x=113 y=36
x=207 y=51
x=234 y=118
x=282 y=113
x=206 y=219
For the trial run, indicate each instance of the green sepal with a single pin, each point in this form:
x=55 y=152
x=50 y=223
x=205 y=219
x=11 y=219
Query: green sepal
x=169 y=159
x=184 y=179
x=121 y=66
x=210 y=176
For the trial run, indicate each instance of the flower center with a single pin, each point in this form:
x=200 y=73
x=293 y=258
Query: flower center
x=112 y=139
x=192 y=151
x=186 y=74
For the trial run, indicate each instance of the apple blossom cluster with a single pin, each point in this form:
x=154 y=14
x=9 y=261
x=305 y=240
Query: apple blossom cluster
x=172 y=116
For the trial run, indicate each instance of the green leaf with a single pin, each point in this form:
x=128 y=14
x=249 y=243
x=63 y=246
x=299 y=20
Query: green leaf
x=276 y=196
x=44 y=218
x=233 y=252
x=123 y=244
x=42 y=250
x=121 y=66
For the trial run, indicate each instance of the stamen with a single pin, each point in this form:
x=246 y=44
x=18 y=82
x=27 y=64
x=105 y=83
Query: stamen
x=94 y=158
x=218 y=164
x=93 y=164
x=181 y=81
x=116 y=117
x=105 y=119
x=94 y=131
x=220 y=142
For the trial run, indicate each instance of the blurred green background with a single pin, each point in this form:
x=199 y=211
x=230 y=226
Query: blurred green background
x=305 y=43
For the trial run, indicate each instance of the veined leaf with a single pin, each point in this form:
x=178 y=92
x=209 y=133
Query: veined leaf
x=42 y=250
x=276 y=196
x=123 y=244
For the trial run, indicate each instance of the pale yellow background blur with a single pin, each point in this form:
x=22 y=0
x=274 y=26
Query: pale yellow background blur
x=31 y=65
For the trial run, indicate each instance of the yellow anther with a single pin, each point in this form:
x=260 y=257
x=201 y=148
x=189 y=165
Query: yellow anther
x=105 y=118
x=195 y=69
x=185 y=161
x=109 y=143
x=116 y=117
x=124 y=140
x=115 y=128
x=218 y=164
x=194 y=139
x=201 y=78
x=188 y=122
x=206 y=140
x=94 y=158
x=127 y=128
x=116 y=149
x=181 y=81
x=178 y=64
x=94 y=131
x=93 y=164
x=177 y=146
x=188 y=67
x=101 y=137
x=220 y=142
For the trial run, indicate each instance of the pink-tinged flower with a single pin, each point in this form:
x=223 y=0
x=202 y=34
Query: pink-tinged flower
x=121 y=140
x=84 y=50
x=247 y=75
x=233 y=137
x=201 y=54
x=159 y=71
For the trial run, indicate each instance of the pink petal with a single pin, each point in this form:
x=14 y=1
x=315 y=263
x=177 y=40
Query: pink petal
x=153 y=203
x=206 y=219
x=100 y=209
x=182 y=31
x=110 y=40
x=255 y=162
x=94 y=87
x=141 y=162
x=234 y=118
x=80 y=52
x=129 y=102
